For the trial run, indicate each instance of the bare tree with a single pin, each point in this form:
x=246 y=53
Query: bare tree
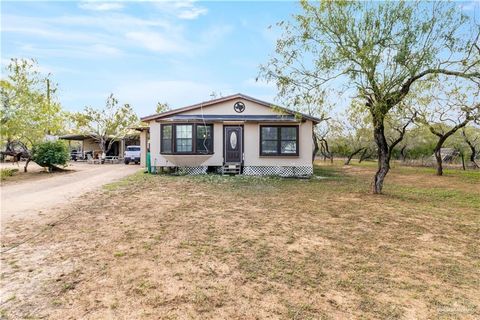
x=472 y=139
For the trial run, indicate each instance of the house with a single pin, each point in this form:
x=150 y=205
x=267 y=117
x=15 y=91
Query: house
x=234 y=134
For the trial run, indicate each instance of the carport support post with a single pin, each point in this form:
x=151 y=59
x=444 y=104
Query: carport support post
x=122 y=148
x=143 y=148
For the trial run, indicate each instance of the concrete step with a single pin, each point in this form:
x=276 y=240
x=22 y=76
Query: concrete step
x=232 y=169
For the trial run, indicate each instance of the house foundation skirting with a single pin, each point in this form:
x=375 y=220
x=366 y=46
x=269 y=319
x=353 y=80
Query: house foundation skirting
x=192 y=170
x=282 y=171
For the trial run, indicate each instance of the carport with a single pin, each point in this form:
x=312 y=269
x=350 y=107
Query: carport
x=90 y=145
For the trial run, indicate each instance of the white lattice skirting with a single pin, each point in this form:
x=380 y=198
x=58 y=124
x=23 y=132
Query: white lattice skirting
x=290 y=171
x=281 y=171
x=192 y=170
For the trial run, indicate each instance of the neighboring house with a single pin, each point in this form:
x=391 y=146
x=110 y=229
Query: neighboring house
x=233 y=134
x=448 y=154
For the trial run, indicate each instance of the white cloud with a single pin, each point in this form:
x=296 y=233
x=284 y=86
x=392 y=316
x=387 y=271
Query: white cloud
x=104 y=49
x=112 y=34
x=156 y=41
x=108 y=21
x=50 y=34
x=101 y=6
x=173 y=40
x=143 y=95
x=186 y=9
x=91 y=51
x=192 y=13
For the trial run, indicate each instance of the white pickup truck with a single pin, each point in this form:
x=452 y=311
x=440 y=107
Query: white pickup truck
x=132 y=154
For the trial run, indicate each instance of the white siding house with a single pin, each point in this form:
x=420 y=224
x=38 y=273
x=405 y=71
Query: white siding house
x=233 y=134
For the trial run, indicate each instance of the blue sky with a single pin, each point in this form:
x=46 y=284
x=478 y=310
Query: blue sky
x=144 y=52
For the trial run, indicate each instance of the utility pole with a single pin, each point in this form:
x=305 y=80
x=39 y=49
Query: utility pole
x=48 y=101
x=48 y=91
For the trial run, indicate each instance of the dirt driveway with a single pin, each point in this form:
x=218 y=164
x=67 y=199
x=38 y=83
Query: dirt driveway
x=27 y=198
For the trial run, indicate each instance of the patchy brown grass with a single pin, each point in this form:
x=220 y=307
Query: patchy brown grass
x=251 y=248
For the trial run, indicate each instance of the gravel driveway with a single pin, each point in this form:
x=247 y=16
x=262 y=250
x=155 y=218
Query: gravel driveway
x=27 y=198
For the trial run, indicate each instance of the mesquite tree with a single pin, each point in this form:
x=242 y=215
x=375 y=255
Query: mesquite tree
x=355 y=133
x=444 y=108
x=29 y=110
x=443 y=132
x=378 y=50
x=106 y=125
x=162 y=107
x=322 y=133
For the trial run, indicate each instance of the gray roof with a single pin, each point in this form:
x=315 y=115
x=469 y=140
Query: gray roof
x=227 y=98
x=74 y=137
x=80 y=137
x=221 y=117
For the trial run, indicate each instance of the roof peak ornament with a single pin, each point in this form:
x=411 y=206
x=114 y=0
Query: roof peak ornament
x=239 y=106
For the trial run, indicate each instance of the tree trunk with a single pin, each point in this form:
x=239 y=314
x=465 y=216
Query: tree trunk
x=473 y=154
x=26 y=165
x=103 y=148
x=438 y=154
x=383 y=155
x=403 y=154
x=325 y=150
x=315 y=144
x=472 y=158
x=438 y=157
x=363 y=155
x=463 y=160
x=441 y=140
x=352 y=155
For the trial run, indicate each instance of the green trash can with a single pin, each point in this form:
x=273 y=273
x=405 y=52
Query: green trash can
x=149 y=167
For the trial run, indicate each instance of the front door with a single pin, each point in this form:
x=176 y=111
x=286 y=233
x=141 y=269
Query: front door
x=233 y=144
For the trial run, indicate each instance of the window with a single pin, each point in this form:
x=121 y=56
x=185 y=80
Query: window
x=166 y=139
x=204 y=139
x=279 y=140
x=186 y=139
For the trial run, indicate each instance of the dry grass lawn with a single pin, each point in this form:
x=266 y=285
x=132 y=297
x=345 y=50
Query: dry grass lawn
x=253 y=248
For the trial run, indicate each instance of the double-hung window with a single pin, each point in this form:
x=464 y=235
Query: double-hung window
x=186 y=139
x=166 y=139
x=204 y=140
x=279 y=140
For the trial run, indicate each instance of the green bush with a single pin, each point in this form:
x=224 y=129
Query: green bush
x=50 y=154
x=7 y=172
